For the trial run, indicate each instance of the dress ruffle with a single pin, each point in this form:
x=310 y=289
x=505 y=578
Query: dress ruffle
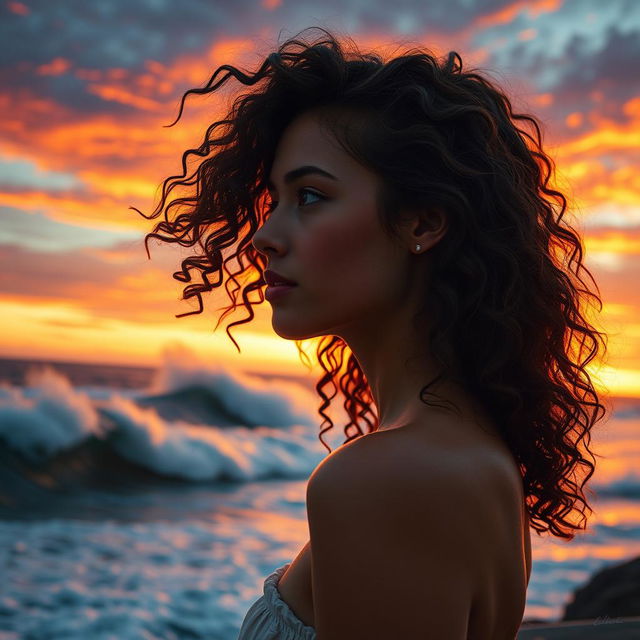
x=284 y=619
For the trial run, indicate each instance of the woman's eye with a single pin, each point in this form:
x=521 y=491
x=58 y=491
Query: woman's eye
x=301 y=192
x=313 y=193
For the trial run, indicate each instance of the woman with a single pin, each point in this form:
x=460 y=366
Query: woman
x=413 y=222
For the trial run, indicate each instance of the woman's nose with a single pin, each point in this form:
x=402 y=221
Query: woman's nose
x=259 y=242
x=265 y=241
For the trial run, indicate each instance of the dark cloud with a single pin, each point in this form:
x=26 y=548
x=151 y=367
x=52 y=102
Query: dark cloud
x=112 y=34
x=116 y=282
x=612 y=70
x=96 y=265
x=38 y=232
x=54 y=274
x=580 y=73
x=65 y=89
x=97 y=38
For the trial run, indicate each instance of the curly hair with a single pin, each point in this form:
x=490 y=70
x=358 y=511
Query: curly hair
x=506 y=296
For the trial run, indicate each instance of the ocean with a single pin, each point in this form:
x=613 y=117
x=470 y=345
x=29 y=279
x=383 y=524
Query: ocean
x=152 y=503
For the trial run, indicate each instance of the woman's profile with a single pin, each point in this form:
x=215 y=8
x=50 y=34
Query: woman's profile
x=409 y=211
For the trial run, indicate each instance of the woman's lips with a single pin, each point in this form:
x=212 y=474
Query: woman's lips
x=274 y=292
x=275 y=279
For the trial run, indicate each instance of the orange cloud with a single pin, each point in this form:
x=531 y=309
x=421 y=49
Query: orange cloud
x=18 y=8
x=608 y=136
x=98 y=212
x=615 y=242
x=574 y=120
x=527 y=34
x=580 y=159
x=54 y=68
x=543 y=99
x=124 y=96
x=508 y=13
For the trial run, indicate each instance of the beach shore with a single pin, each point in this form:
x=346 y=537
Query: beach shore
x=594 y=629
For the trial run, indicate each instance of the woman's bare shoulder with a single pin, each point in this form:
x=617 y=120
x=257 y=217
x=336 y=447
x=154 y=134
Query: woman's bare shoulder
x=418 y=473
x=424 y=457
x=476 y=484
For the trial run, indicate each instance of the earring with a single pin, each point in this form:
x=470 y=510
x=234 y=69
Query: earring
x=417 y=247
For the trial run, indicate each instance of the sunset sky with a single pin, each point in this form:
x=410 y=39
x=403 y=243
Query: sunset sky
x=86 y=88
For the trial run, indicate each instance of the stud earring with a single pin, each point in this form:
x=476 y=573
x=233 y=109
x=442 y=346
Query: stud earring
x=417 y=247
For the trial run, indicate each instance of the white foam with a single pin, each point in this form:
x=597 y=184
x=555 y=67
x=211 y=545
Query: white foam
x=55 y=418
x=49 y=415
x=257 y=401
x=194 y=452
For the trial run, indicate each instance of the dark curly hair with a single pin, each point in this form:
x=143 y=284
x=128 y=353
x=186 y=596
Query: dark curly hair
x=505 y=297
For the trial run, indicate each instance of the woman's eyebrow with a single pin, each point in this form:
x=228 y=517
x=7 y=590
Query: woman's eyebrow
x=299 y=172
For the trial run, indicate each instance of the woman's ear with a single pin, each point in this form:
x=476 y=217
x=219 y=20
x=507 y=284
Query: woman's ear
x=426 y=229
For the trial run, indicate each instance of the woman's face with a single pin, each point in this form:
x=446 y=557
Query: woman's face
x=324 y=234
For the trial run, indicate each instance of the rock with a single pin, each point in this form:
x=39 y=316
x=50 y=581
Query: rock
x=612 y=592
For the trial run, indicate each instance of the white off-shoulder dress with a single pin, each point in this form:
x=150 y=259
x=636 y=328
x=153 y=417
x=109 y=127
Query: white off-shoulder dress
x=269 y=617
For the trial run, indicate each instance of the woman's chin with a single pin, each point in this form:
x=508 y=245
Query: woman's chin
x=293 y=335
x=293 y=331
